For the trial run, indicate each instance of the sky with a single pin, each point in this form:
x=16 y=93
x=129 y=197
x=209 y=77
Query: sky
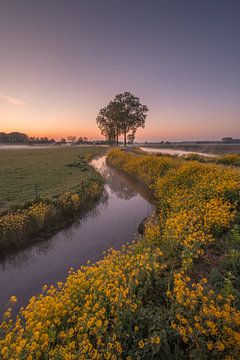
x=63 y=60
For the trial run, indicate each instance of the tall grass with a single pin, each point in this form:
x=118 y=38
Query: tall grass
x=46 y=216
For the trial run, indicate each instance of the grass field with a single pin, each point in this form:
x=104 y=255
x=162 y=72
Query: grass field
x=47 y=171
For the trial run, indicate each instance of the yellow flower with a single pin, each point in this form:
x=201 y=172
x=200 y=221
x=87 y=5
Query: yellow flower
x=210 y=345
x=220 y=346
x=141 y=344
x=13 y=299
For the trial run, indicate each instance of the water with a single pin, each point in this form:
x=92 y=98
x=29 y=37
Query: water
x=173 y=151
x=113 y=222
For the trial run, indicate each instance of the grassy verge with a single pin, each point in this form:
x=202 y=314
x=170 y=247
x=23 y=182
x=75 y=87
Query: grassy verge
x=226 y=159
x=68 y=185
x=153 y=299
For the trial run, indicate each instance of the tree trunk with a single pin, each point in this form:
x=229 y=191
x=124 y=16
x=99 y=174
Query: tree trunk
x=117 y=140
x=125 y=138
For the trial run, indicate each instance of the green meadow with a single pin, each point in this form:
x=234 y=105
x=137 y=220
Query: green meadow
x=42 y=172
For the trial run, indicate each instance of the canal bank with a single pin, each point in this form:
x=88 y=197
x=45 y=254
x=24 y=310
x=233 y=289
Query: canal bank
x=113 y=222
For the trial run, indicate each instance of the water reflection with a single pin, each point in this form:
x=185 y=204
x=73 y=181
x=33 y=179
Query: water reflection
x=173 y=151
x=121 y=184
x=27 y=254
x=117 y=185
x=112 y=222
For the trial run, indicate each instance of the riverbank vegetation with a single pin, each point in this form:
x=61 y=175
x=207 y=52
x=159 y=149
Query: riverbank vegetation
x=224 y=159
x=173 y=293
x=217 y=147
x=43 y=188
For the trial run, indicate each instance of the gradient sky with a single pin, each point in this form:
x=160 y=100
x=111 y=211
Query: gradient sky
x=62 y=60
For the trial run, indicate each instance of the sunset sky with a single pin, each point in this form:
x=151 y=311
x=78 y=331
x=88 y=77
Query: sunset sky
x=62 y=60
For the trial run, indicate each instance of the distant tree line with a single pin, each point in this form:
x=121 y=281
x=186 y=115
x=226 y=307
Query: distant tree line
x=21 y=138
x=122 y=116
x=78 y=141
x=230 y=140
x=13 y=138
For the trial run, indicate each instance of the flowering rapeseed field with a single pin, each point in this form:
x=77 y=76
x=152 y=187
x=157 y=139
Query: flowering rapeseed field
x=154 y=299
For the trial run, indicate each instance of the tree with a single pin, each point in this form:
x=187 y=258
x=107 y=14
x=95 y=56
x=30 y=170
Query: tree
x=131 y=113
x=71 y=139
x=108 y=123
x=104 y=124
x=17 y=138
x=122 y=115
x=3 y=137
x=227 y=139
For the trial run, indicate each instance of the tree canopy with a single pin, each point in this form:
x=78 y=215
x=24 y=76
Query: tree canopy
x=123 y=115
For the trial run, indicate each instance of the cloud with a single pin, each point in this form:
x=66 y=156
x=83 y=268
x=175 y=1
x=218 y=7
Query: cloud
x=12 y=100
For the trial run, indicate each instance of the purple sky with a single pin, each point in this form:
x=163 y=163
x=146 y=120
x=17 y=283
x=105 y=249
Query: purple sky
x=61 y=61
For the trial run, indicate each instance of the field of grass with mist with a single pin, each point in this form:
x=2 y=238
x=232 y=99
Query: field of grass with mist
x=46 y=173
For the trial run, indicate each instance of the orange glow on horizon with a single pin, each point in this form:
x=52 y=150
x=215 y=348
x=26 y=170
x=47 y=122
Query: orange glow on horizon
x=148 y=134
x=166 y=126
x=53 y=134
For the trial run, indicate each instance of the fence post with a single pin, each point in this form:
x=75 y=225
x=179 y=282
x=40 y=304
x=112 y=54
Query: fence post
x=83 y=192
x=36 y=191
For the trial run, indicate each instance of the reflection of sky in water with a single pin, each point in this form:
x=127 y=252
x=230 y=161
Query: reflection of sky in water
x=173 y=151
x=113 y=222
